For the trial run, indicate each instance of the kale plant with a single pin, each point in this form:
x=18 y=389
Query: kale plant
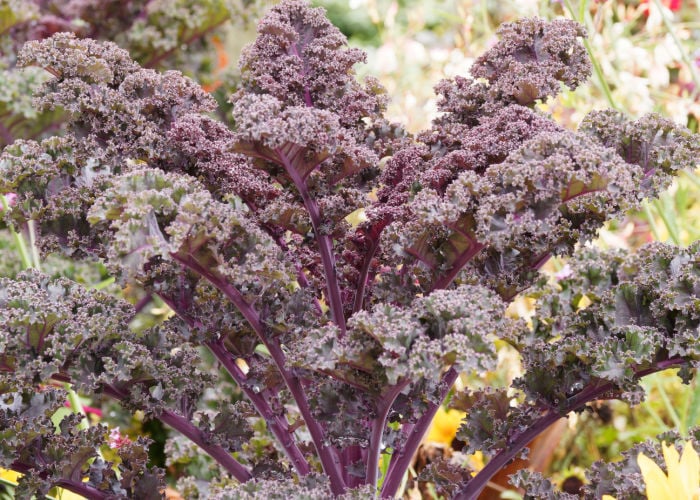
x=343 y=339
x=158 y=34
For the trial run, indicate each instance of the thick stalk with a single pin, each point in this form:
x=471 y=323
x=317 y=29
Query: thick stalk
x=81 y=489
x=447 y=278
x=591 y=393
x=378 y=426
x=403 y=458
x=324 y=242
x=362 y=282
x=67 y=484
x=277 y=424
x=194 y=434
x=329 y=459
x=478 y=483
x=19 y=240
x=349 y=456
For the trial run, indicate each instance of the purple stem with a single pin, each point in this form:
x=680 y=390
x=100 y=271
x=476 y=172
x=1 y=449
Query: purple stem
x=294 y=50
x=173 y=420
x=568 y=196
x=142 y=303
x=362 y=281
x=351 y=455
x=325 y=243
x=277 y=424
x=424 y=259
x=590 y=393
x=474 y=487
x=81 y=489
x=68 y=484
x=329 y=459
x=402 y=458
x=304 y=283
x=194 y=434
x=248 y=312
x=541 y=260
x=378 y=425
x=445 y=280
x=6 y=135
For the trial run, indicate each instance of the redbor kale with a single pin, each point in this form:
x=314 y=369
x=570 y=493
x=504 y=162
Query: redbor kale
x=157 y=33
x=343 y=339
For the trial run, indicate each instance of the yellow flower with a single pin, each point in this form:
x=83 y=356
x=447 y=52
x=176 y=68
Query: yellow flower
x=444 y=427
x=682 y=481
x=13 y=477
x=62 y=494
x=9 y=475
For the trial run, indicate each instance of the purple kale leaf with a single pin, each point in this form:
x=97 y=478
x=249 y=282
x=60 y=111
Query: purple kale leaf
x=342 y=339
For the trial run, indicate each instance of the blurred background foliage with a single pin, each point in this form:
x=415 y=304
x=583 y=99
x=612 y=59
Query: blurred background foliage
x=646 y=56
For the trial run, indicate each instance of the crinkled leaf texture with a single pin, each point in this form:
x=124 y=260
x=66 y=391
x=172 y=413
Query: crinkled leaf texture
x=344 y=339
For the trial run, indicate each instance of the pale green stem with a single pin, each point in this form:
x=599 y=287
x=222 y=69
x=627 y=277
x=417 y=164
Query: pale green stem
x=485 y=17
x=32 y=261
x=652 y=221
x=684 y=53
x=104 y=283
x=597 y=68
x=31 y=229
x=692 y=410
x=383 y=467
x=77 y=406
x=19 y=239
x=582 y=8
x=662 y=426
x=664 y=212
x=669 y=407
x=692 y=177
